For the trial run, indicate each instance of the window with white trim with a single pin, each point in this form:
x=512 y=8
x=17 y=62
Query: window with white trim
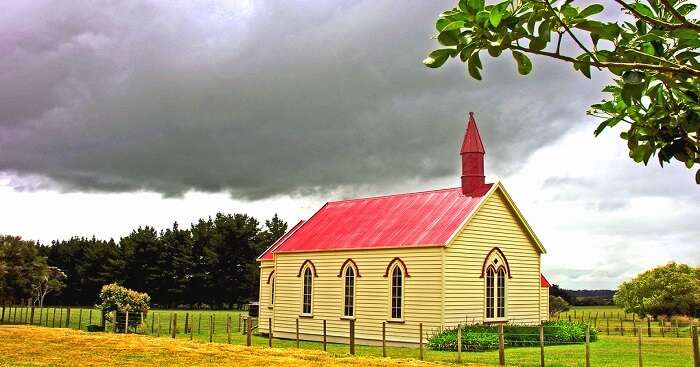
x=307 y=292
x=349 y=294
x=495 y=284
x=396 y=293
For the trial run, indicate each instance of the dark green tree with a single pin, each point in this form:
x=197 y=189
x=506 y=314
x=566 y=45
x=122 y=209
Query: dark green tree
x=23 y=269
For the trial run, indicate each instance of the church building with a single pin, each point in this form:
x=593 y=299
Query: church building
x=438 y=257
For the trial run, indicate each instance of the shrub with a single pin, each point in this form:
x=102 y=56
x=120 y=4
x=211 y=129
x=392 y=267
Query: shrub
x=485 y=337
x=123 y=300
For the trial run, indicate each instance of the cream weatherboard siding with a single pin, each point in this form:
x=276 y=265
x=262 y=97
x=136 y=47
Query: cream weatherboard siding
x=266 y=267
x=544 y=303
x=495 y=224
x=422 y=295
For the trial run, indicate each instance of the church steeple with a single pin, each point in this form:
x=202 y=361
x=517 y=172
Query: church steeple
x=472 y=153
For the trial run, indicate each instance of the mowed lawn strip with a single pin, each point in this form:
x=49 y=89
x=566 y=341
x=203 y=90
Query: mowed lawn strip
x=32 y=346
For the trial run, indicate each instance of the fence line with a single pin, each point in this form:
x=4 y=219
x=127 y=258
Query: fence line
x=132 y=322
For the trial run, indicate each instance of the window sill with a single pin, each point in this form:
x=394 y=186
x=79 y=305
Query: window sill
x=495 y=321
x=347 y=317
x=395 y=321
x=306 y=316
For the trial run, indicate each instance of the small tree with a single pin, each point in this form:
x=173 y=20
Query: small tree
x=51 y=281
x=557 y=305
x=672 y=289
x=123 y=300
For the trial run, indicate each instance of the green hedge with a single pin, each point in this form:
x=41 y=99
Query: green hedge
x=485 y=337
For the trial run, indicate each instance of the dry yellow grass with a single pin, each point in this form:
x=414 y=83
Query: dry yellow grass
x=32 y=346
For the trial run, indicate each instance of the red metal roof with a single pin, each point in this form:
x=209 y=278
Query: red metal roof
x=544 y=283
x=267 y=254
x=427 y=218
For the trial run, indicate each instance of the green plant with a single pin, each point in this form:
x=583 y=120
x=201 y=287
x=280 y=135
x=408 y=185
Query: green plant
x=651 y=50
x=485 y=337
x=123 y=301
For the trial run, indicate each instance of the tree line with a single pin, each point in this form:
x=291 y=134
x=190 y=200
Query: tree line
x=210 y=264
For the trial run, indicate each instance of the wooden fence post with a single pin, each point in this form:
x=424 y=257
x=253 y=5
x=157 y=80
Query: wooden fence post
x=187 y=322
x=607 y=326
x=639 y=346
x=420 y=339
x=68 y=317
x=41 y=314
x=239 y=322
x=696 y=347
x=634 y=326
x=174 y=328
x=192 y=328
x=677 y=332
x=459 y=343
x=211 y=328
x=80 y=318
x=352 y=337
x=269 y=332
x=502 y=346
x=297 y=331
x=2 y=316
x=228 y=328
x=663 y=332
x=383 y=339
x=31 y=318
x=60 y=318
x=249 y=332
x=648 y=327
x=541 y=345
x=126 y=323
x=153 y=321
x=622 y=328
x=199 y=324
x=213 y=323
x=325 y=335
x=588 y=347
x=53 y=318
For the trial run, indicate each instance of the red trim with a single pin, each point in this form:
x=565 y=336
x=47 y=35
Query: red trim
x=505 y=259
x=313 y=268
x=269 y=277
x=544 y=283
x=340 y=273
x=403 y=265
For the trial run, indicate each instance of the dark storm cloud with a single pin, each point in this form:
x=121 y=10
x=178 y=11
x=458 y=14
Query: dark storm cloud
x=259 y=99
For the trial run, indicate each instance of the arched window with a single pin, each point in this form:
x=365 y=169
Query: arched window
x=495 y=271
x=349 y=298
x=307 y=292
x=397 y=292
x=272 y=291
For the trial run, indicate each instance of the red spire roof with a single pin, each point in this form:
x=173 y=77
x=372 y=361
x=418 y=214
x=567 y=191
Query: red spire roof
x=472 y=139
x=544 y=283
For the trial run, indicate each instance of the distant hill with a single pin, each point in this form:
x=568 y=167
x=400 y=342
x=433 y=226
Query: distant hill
x=584 y=297
x=591 y=297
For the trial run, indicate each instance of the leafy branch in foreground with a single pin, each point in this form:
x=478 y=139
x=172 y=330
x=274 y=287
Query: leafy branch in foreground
x=652 y=52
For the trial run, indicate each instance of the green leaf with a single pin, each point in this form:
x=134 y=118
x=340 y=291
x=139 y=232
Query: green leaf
x=537 y=44
x=585 y=66
x=592 y=26
x=631 y=92
x=643 y=9
x=544 y=32
x=473 y=69
x=569 y=11
x=524 y=64
x=607 y=123
x=482 y=17
x=441 y=24
x=591 y=10
x=685 y=9
x=633 y=77
x=437 y=57
x=685 y=34
x=495 y=16
x=494 y=51
x=476 y=4
x=453 y=26
x=449 y=38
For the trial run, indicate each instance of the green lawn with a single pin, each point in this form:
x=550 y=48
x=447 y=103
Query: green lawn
x=608 y=351
x=611 y=320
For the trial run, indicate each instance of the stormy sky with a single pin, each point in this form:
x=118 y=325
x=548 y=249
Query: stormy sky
x=119 y=114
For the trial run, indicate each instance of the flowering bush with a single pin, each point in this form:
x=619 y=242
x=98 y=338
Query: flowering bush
x=123 y=300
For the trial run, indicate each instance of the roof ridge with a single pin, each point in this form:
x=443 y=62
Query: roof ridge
x=393 y=195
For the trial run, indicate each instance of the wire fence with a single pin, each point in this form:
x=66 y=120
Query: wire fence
x=646 y=344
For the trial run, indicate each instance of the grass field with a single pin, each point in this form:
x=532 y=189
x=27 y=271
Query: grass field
x=611 y=319
x=609 y=351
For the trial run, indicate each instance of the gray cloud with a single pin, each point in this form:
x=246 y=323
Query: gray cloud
x=265 y=99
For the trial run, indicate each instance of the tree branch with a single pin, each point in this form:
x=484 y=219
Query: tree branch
x=679 y=16
x=568 y=30
x=681 y=69
x=685 y=23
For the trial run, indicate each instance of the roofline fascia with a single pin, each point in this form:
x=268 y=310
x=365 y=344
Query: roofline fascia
x=522 y=219
x=279 y=241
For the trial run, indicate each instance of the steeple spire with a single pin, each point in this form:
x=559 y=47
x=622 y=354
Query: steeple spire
x=472 y=153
